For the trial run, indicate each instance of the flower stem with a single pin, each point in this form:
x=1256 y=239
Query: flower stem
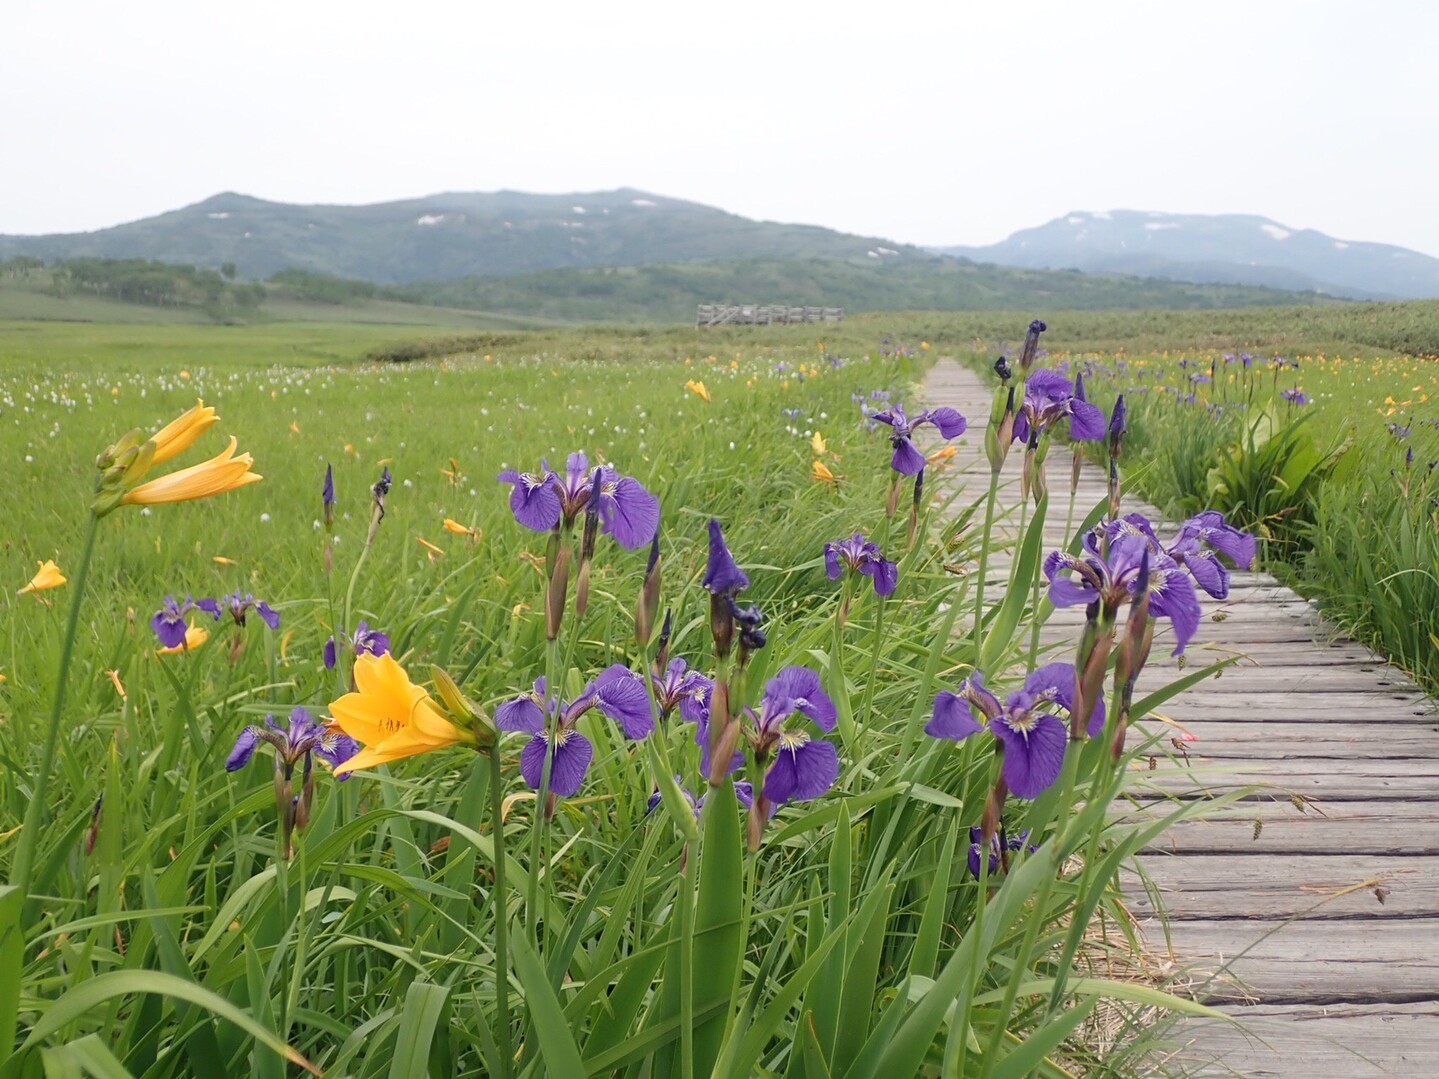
x=552 y=692
x=35 y=812
x=502 y=919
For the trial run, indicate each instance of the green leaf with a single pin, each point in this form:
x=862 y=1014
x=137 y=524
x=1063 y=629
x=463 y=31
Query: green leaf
x=424 y=1005
x=77 y=1002
x=557 y=1042
x=718 y=932
x=1026 y=565
x=1043 y=1041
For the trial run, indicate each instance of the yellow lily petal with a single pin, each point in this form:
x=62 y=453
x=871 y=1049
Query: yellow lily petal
x=221 y=473
x=48 y=576
x=180 y=433
x=817 y=443
x=389 y=715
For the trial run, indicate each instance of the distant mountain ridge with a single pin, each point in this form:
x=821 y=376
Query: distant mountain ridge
x=1235 y=249
x=453 y=235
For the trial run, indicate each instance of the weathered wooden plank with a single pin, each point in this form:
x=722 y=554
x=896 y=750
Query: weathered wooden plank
x=1327 y=886
x=1316 y=780
x=1411 y=737
x=1305 y=962
x=1342 y=1041
x=1378 y=828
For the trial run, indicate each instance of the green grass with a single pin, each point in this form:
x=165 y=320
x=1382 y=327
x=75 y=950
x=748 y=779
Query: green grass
x=164 y=930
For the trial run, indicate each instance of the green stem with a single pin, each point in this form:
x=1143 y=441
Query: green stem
x=552 y=692
x=984 y=562
x=875 y=638
x=35 y=811
x=502 y=920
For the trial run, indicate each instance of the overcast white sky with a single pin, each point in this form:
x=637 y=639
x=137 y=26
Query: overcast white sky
x=950 y=121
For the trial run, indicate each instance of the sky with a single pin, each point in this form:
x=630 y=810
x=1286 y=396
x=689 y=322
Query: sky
x=937 y=122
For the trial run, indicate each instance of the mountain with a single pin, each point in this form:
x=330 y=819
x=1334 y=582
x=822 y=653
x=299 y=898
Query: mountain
x=442 y=237
x=1236 y=249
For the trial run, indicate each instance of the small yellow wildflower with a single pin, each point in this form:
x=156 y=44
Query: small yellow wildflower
x=698 y=389
x=47 y=576
x=819 y=472
x=817 y=443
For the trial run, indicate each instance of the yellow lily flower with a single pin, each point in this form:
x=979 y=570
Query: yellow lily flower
x=818 y=471
x=48 y=576
x=390 y=716
x=183 y=431
x=451 y=525
x=698 y=389
x=195 y=636
x=221 y=473
x=817 y=443
x=430 y=549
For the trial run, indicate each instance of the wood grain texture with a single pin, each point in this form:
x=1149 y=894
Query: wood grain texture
x=1276 y=898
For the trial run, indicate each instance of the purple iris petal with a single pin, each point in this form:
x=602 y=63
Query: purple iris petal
x=534 y=501
x=950 y=422
x=620 y=694
x=1055 y=682
x=798 y=689
x=1172 y=596
x=370 y=640
x=170 y=629
x=1033 y=751
x=244 y=748
x=268 y=614
x=1086 y=421
x=907 y=460
x=629 y=513
x=335 y=748
x=330 y=656
x=801 y=770
x=952 y=718
x=702 y=739
x=327 y=493
x=209 y=606
x=832 y=568
x=570 y=761
x=521 y=714
x=1208 y=572
x=885 y=574
x=722 y=575
x=744 y=793
x=1210 y=528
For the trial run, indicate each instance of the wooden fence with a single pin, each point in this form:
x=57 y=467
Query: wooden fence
x=749 y=314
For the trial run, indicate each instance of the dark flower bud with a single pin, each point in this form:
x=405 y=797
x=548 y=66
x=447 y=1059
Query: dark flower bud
x=555 y=594
x=1118 y=421
x=1003 y=369
x=751 y=637
x=1031 y=346
x=662 y=653
x=649 y=601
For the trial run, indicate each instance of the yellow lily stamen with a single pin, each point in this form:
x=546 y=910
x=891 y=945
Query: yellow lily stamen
x=220 y=474
x=47 y=576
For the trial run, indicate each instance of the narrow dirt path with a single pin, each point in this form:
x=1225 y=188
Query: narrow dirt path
x=1310 y=911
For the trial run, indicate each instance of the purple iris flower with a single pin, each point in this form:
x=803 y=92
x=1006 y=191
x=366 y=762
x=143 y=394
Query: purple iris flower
x=743 y=791
x=1048 y=398
x=907 y=460
x=685 y=689
x=240 y=603
x=803 y=767
x=303 y=735
x=618 y=692
x=1295 y=397
x=1113 y=579
x=169 y=621
x=1013 y=844
x=1033 y=737
x=365 y=640
x=723 y=577
x=862 y=556
x=1201 y=540
x=327 y=493
x=541 y=501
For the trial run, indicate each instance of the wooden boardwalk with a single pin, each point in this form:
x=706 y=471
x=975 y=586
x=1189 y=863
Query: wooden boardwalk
x=1310 y=911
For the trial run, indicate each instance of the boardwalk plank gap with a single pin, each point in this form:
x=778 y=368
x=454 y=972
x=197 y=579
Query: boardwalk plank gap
x=1309 y=910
